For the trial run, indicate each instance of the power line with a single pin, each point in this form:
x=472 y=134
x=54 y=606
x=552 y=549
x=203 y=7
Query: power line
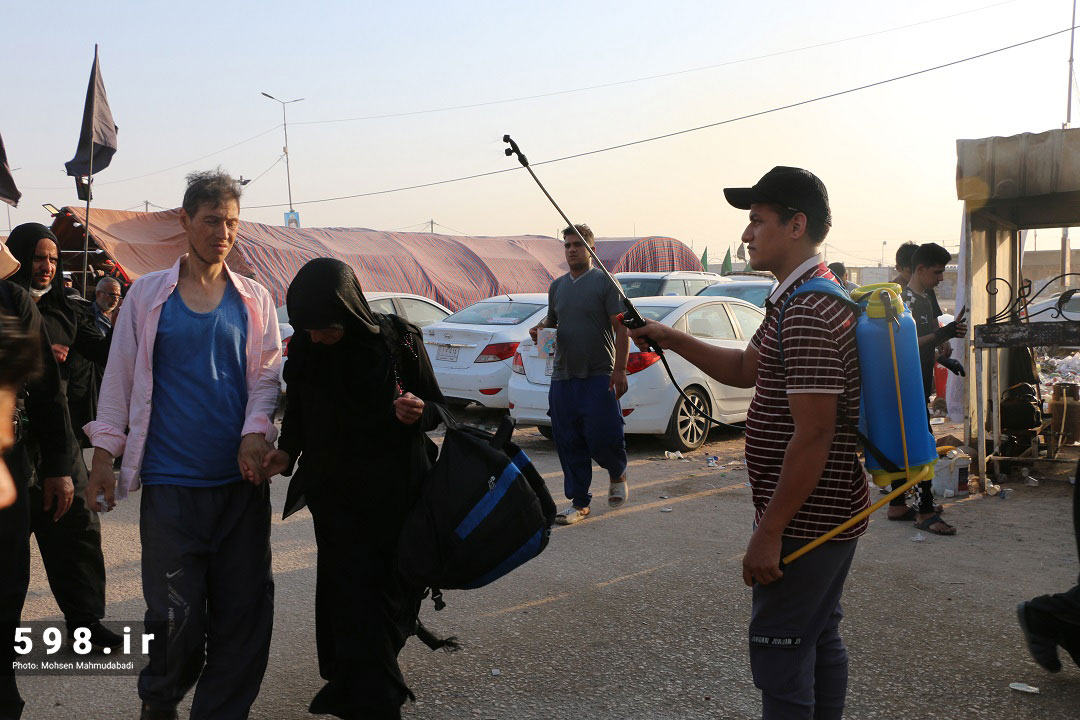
x=459 y=232
x=659 y=76
x=861 y=258
x=620 y=146
x=173 y=167
x=406 y=227
x=560 y=92
x=272 y=166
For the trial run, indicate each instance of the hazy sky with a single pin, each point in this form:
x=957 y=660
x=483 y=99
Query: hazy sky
x=184 y=82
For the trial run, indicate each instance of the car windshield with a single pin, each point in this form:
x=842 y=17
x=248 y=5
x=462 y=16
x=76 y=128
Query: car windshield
x=506 y=312
x=654 y=312
x=755 y=293
x=641 y=287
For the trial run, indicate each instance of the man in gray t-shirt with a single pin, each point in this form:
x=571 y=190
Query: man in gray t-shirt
x=589 y=376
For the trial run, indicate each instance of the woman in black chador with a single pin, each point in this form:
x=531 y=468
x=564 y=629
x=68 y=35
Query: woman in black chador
x=359 y=400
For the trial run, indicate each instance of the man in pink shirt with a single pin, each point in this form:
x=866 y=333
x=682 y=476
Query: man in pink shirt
x=187 y=399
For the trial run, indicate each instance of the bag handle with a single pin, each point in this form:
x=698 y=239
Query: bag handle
x=449 y=420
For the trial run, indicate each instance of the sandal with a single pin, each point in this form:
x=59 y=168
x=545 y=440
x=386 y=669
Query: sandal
x=929 y=522
x=618 y=491
x=571 y=515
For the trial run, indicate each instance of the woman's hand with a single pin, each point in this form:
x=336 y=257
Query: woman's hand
x=275 y=463
x=408 y=408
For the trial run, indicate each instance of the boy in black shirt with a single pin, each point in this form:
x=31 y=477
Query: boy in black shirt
x=928 y=266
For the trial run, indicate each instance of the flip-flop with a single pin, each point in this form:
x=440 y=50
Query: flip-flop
x=617 y=493
x=909 y=514
x=934 y=520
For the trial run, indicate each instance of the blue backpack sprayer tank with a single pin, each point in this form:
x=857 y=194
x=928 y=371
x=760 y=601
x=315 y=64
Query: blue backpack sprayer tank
x=892 y=414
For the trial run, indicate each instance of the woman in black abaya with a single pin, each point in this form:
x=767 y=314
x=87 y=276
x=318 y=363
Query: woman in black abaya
x=360 y=394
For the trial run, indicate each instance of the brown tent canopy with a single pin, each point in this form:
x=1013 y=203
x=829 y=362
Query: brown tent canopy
x=453 y=270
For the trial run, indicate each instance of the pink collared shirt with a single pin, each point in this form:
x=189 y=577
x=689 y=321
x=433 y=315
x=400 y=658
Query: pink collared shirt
x=127 y=389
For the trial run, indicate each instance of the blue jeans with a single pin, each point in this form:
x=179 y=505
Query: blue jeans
x=587 y=423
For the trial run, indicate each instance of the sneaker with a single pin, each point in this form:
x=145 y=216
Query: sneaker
x=571 y=515
x=1043 y=649
x=100 y=636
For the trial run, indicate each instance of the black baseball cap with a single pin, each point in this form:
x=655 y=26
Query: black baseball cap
x=791 y=187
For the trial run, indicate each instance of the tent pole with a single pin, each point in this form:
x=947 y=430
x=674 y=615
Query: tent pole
x=1066 y=246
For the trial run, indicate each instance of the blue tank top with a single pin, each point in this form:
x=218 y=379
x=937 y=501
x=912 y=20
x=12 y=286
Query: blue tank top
x=199 y=396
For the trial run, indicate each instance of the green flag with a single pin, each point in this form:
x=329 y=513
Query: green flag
x=705 y=260
x=725 y=269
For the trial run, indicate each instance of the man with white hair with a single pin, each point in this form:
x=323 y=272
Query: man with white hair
x=106 y=302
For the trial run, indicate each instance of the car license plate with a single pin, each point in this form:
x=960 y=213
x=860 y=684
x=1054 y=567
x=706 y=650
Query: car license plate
x=549 y=368
x=447 y=354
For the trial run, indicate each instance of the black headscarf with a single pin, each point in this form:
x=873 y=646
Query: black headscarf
x=23 y=244
x=59 y=312
x=327 y=292
x=347 y=389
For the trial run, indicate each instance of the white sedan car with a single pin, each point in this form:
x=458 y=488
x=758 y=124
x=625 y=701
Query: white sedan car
x=652 y=405
x=473 y=349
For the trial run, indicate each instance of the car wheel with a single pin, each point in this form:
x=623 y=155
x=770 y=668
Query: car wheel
x=688 y=429
x=545 y=430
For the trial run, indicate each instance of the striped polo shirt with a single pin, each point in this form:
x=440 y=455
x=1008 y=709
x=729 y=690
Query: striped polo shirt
x=820 y=356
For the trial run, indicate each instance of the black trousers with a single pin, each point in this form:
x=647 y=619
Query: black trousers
x=1058 y=615
x=71 y=550
x=206 y=576
x=924 y=493
x=14 y=577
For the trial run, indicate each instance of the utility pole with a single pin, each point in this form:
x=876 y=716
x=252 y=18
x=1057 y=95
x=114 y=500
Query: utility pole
x=146 y=205
x=1066 y=246
x=433 y=226
x=285 y=149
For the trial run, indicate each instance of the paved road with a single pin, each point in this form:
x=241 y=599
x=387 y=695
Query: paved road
x=640 y=612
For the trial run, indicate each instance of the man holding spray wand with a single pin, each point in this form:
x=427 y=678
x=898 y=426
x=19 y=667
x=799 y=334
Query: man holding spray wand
x=801 y=455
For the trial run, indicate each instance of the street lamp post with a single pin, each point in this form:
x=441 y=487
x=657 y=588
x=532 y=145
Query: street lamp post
x=285 y=126
x=883 y=243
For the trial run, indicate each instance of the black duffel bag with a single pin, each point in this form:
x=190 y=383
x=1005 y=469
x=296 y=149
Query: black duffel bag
x=483 y=511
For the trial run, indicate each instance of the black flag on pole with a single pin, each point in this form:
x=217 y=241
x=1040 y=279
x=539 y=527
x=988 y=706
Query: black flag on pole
x=97 y=139
x=8 y=192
